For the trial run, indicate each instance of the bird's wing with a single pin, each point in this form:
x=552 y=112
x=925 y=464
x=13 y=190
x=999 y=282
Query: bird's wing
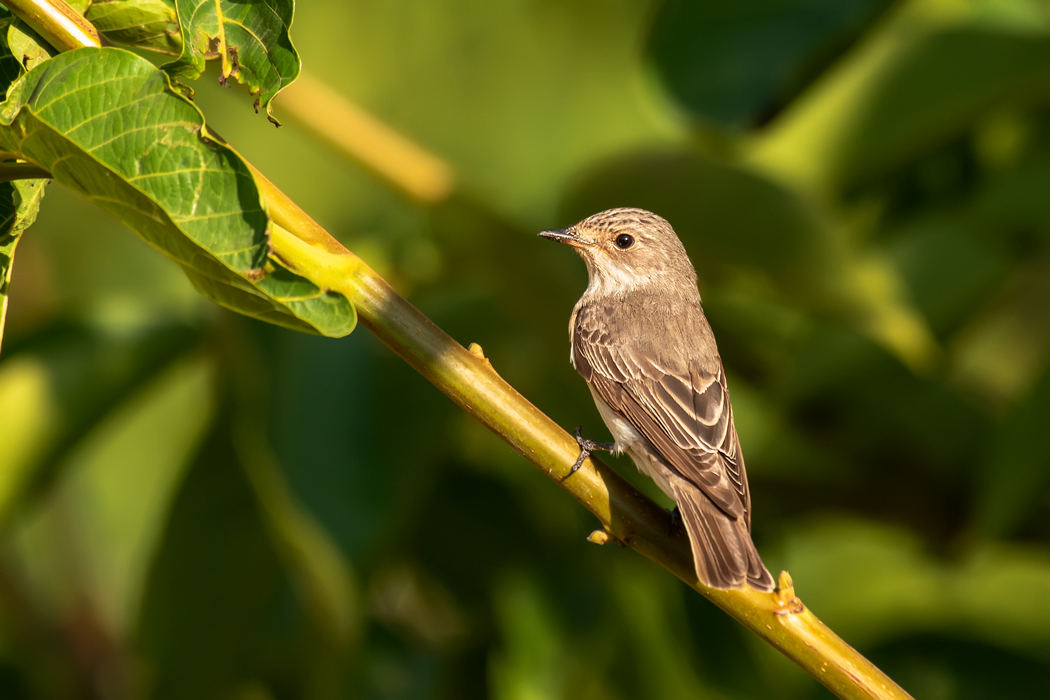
x=685 y=415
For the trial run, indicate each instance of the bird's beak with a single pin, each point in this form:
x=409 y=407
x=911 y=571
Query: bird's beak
x=562 y=235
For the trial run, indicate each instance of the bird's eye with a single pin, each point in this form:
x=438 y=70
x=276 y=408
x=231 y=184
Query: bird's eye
x=624 y=241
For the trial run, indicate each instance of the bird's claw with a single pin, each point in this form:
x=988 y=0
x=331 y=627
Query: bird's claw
x=586 y=448
x=584 y=454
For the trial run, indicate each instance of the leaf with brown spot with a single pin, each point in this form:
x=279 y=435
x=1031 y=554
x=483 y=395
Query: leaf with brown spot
x=107 y=124
x=250 y=38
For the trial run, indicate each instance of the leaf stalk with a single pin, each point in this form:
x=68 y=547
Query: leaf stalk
x=57 y=22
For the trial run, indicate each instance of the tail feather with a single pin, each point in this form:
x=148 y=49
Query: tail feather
x=723 y=552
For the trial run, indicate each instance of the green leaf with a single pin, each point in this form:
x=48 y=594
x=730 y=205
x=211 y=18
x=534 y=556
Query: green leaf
x=250 y=37
x=19 y=204
x=10 y=68
x=872 y=582
x=936 y=89
x=1015 y=474
x=220 y=605
x=116 y=490
x=322 y=576
x=107 y=124
x=26 y=48
x=147 y=24
x=206 y=621
x=735 y=64
x=922 y=80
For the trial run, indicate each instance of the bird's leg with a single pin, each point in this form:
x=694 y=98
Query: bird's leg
x=586 y=448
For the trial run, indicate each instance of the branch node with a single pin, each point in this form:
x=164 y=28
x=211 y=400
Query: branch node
x=598 y=537
x=475 y=350
x=785 y=586
x=785 y=596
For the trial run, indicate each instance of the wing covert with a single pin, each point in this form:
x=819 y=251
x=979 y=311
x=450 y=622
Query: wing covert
x=685 y=415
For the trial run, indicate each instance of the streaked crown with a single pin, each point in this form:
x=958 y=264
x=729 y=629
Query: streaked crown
x=629 y=248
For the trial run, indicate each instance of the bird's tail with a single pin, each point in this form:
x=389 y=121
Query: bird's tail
x=724 y=554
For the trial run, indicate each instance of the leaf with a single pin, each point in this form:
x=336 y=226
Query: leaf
x=207 y=618
x=1015 y=472
x=938 y=88
x=737 y=63
x=924 y=79
x=10 y=68
x=107 y=124
x=322 y=576
x=116 y=490
x=19 y=204
x=1000 y=354
x=220 y=607
x=147 y=24
x=872 y=582
x=250 y=37
x=26 y=48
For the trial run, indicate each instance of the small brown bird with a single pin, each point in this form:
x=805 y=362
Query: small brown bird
x=641 y=341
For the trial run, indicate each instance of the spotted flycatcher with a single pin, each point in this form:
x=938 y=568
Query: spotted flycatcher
x=641 y=341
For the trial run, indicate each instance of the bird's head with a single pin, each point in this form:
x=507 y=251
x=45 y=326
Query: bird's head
x=628 y=249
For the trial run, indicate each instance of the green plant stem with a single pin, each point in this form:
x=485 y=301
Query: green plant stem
x=21 y=171
x=469 y=379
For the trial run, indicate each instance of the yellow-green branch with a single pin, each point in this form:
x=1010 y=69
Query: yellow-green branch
x=57 y=22
x=469 y=379
x=359 y=135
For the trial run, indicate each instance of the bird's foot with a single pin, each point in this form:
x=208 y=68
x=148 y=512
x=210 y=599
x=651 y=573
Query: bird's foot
x=586 y=448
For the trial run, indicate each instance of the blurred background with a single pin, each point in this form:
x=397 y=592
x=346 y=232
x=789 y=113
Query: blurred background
x=197 y=505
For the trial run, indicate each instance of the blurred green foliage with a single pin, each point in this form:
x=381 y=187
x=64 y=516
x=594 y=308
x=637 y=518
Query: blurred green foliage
x=198 y=505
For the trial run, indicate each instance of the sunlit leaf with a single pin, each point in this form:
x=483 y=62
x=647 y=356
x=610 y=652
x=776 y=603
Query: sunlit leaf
x=107 y=124
x=10 y=67
x=250 y=38
x=147 y=24
x=25 y=47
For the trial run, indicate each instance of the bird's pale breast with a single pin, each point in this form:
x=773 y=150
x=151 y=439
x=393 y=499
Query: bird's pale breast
x=629 y=440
